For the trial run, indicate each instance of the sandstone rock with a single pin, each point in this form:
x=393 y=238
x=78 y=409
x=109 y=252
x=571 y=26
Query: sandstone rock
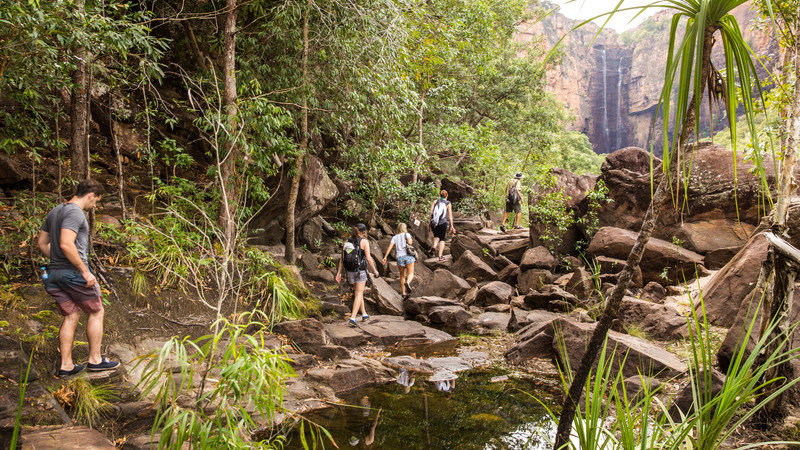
x=442 y=284
x=423 y=305
x=347 y=376
x=499 y=308
x=661 y=322
x=509 y=274
x=311 y=233
x=470 y=266
x=469 y=241
x=385 y=330
x=533 y=280
x=635 y=387
x=542 y=298
x=609 y=265
x=654 y=292
x=68 y=438
x=467 y=224
x=521 y=318
x=683 y=403
x=457 y=190
x=512 y=249
x=435 y=264
x=640 y=357
x=581 y=284
x=714 y=234
x=729 y=287
x=538 y=258
x=493 y=293
x=387 y=300
x=716 y=259
x=681 y=264
x=10 y=175
x=305 y=332
x=324 y=275
x=469 y=297
x=451 y=316
x=329 y=352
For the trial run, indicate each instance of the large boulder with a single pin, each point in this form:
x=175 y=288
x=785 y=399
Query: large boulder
x=660 y=322
x=494 y=320
x=10 y=175
x=533 y=280
x=386 y=331
x=317 y=190
x=538 y=258
x=467 y=241
x=387 y=300
x=626 y=174
x=728 y=288
x=659 y=258
x=349 y=375
x=466 y=224
x=495 y=292
x=457 y=190
x=521 y=318
x=634 y=356
x=305 y=332
x=549 y=297
x=581 y=284
x=714 y=234
x=512 y=249
x=437 y=310
x=442 y=284
x=470 y=266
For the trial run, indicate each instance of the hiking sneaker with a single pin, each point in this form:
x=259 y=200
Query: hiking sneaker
x=104 y=364
x=76 y=368
x=408 y=287
x=441 y=258
x=352 y=323
x=517 y=227
x=503 y=228
x=365 y=317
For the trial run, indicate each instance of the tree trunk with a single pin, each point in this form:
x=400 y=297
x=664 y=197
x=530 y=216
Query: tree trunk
x=79 y=113
x=418 y=161
x=228 y=182
x=293 y=193
x=779 y=311
x=118 y=154
x=660 y=198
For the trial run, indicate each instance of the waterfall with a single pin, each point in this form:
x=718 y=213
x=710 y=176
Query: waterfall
x=605 y=99
x=619 y=101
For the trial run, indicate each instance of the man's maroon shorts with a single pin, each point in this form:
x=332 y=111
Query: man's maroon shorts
x=68 y=288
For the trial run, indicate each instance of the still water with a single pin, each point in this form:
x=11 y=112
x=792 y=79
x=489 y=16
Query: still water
x=476 y=414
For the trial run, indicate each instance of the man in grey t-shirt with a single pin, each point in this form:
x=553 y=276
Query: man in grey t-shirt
x=64 y=238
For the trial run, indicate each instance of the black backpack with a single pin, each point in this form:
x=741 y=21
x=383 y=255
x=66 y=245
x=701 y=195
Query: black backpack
x=513 y=195
x=353 y=259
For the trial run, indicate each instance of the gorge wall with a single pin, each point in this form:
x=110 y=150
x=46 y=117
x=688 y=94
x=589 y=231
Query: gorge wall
x=611 y=82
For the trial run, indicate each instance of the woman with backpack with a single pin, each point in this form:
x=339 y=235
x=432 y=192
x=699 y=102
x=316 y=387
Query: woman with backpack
x=405 y=262
x=513 y=201
x=441 y=217
x=355 y=257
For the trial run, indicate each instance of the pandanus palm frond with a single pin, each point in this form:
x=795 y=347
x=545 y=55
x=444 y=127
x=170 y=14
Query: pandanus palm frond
x=736 y=84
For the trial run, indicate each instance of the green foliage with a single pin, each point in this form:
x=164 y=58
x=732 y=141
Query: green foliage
x=18 y=242
x=246 y=390
x=87 y=402
x=597 y=196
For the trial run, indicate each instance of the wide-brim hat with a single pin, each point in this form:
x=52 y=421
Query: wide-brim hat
x=518 y=175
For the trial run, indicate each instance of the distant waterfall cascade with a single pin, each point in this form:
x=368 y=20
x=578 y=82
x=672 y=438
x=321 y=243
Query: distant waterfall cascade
x=605 y=96
x=618 y=131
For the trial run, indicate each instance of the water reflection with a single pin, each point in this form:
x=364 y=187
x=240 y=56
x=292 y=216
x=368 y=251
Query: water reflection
x=408 y=415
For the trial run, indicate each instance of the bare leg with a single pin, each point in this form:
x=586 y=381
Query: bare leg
x=435 y=242
x=410 y=272
x=441 y=248
x=505 y=217
x=94 y=332
x=358 y=299
x=66 y=337
x=402 y=279
x=516 y=219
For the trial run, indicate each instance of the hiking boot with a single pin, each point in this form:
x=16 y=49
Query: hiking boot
x=104 y=364
x=503 y=228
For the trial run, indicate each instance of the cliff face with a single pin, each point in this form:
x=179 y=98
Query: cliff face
x=611 y=82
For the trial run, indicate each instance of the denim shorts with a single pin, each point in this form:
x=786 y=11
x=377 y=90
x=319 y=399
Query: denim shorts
x=405 y=260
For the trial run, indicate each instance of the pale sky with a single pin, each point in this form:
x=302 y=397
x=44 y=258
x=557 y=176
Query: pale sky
x=585 y=9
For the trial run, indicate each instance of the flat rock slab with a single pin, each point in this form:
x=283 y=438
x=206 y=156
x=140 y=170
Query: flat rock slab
x=452 y=364
x=386 y=331
x=494 y=320
x=78 y=438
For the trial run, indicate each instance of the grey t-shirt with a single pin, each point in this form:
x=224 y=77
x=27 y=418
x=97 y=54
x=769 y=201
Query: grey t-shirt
x=70 y=216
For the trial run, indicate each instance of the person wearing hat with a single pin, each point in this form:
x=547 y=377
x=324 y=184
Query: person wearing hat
x=513 y=201
x=356 y=254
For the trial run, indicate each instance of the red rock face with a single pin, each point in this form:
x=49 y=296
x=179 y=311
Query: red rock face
x=587 y=78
